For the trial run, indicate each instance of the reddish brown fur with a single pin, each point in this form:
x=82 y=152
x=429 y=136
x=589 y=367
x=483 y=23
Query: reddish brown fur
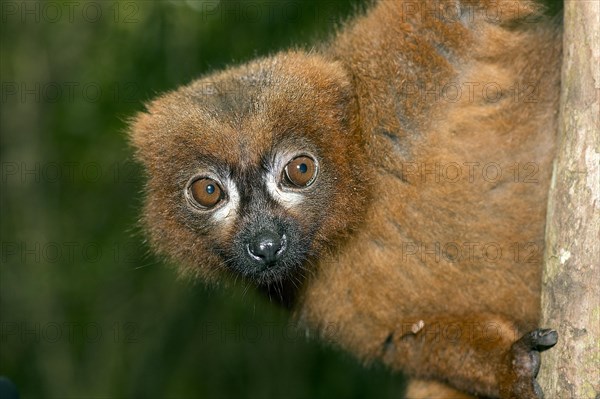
x=369 y=284
x=177 y=130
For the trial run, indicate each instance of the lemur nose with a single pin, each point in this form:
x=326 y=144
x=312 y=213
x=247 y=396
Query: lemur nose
x=267 y=247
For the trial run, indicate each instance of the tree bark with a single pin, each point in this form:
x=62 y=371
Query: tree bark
x=571 y=293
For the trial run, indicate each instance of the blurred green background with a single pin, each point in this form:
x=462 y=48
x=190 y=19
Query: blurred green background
x=86 y=310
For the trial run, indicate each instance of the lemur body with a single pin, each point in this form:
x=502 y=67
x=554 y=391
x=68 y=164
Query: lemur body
x=426 y=135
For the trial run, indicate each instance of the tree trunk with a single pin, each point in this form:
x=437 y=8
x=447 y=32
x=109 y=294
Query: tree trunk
x=571 y=296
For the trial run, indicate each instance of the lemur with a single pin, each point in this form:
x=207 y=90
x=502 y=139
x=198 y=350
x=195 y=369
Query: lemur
x=391 y=182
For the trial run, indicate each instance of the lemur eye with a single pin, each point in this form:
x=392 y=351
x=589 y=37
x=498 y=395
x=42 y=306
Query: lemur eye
x=301 y=171
x=206 y=192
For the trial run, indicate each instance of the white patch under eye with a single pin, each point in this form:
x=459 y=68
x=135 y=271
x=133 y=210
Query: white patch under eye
x=227 y=213
x=287 y=199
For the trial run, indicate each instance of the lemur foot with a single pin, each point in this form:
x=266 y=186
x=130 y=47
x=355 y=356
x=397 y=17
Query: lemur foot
x=524 y=363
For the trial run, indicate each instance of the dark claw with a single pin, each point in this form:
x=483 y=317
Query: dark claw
x=538 y=340
x=526 y=361
x=545 y=339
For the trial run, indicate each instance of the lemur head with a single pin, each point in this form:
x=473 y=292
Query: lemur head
x=256 y=170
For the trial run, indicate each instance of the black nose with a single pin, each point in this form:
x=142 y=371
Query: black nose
x=266 y=247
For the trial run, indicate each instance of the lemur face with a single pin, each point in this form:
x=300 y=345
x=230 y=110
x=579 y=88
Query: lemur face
x=254 y=210
x=254 y=171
